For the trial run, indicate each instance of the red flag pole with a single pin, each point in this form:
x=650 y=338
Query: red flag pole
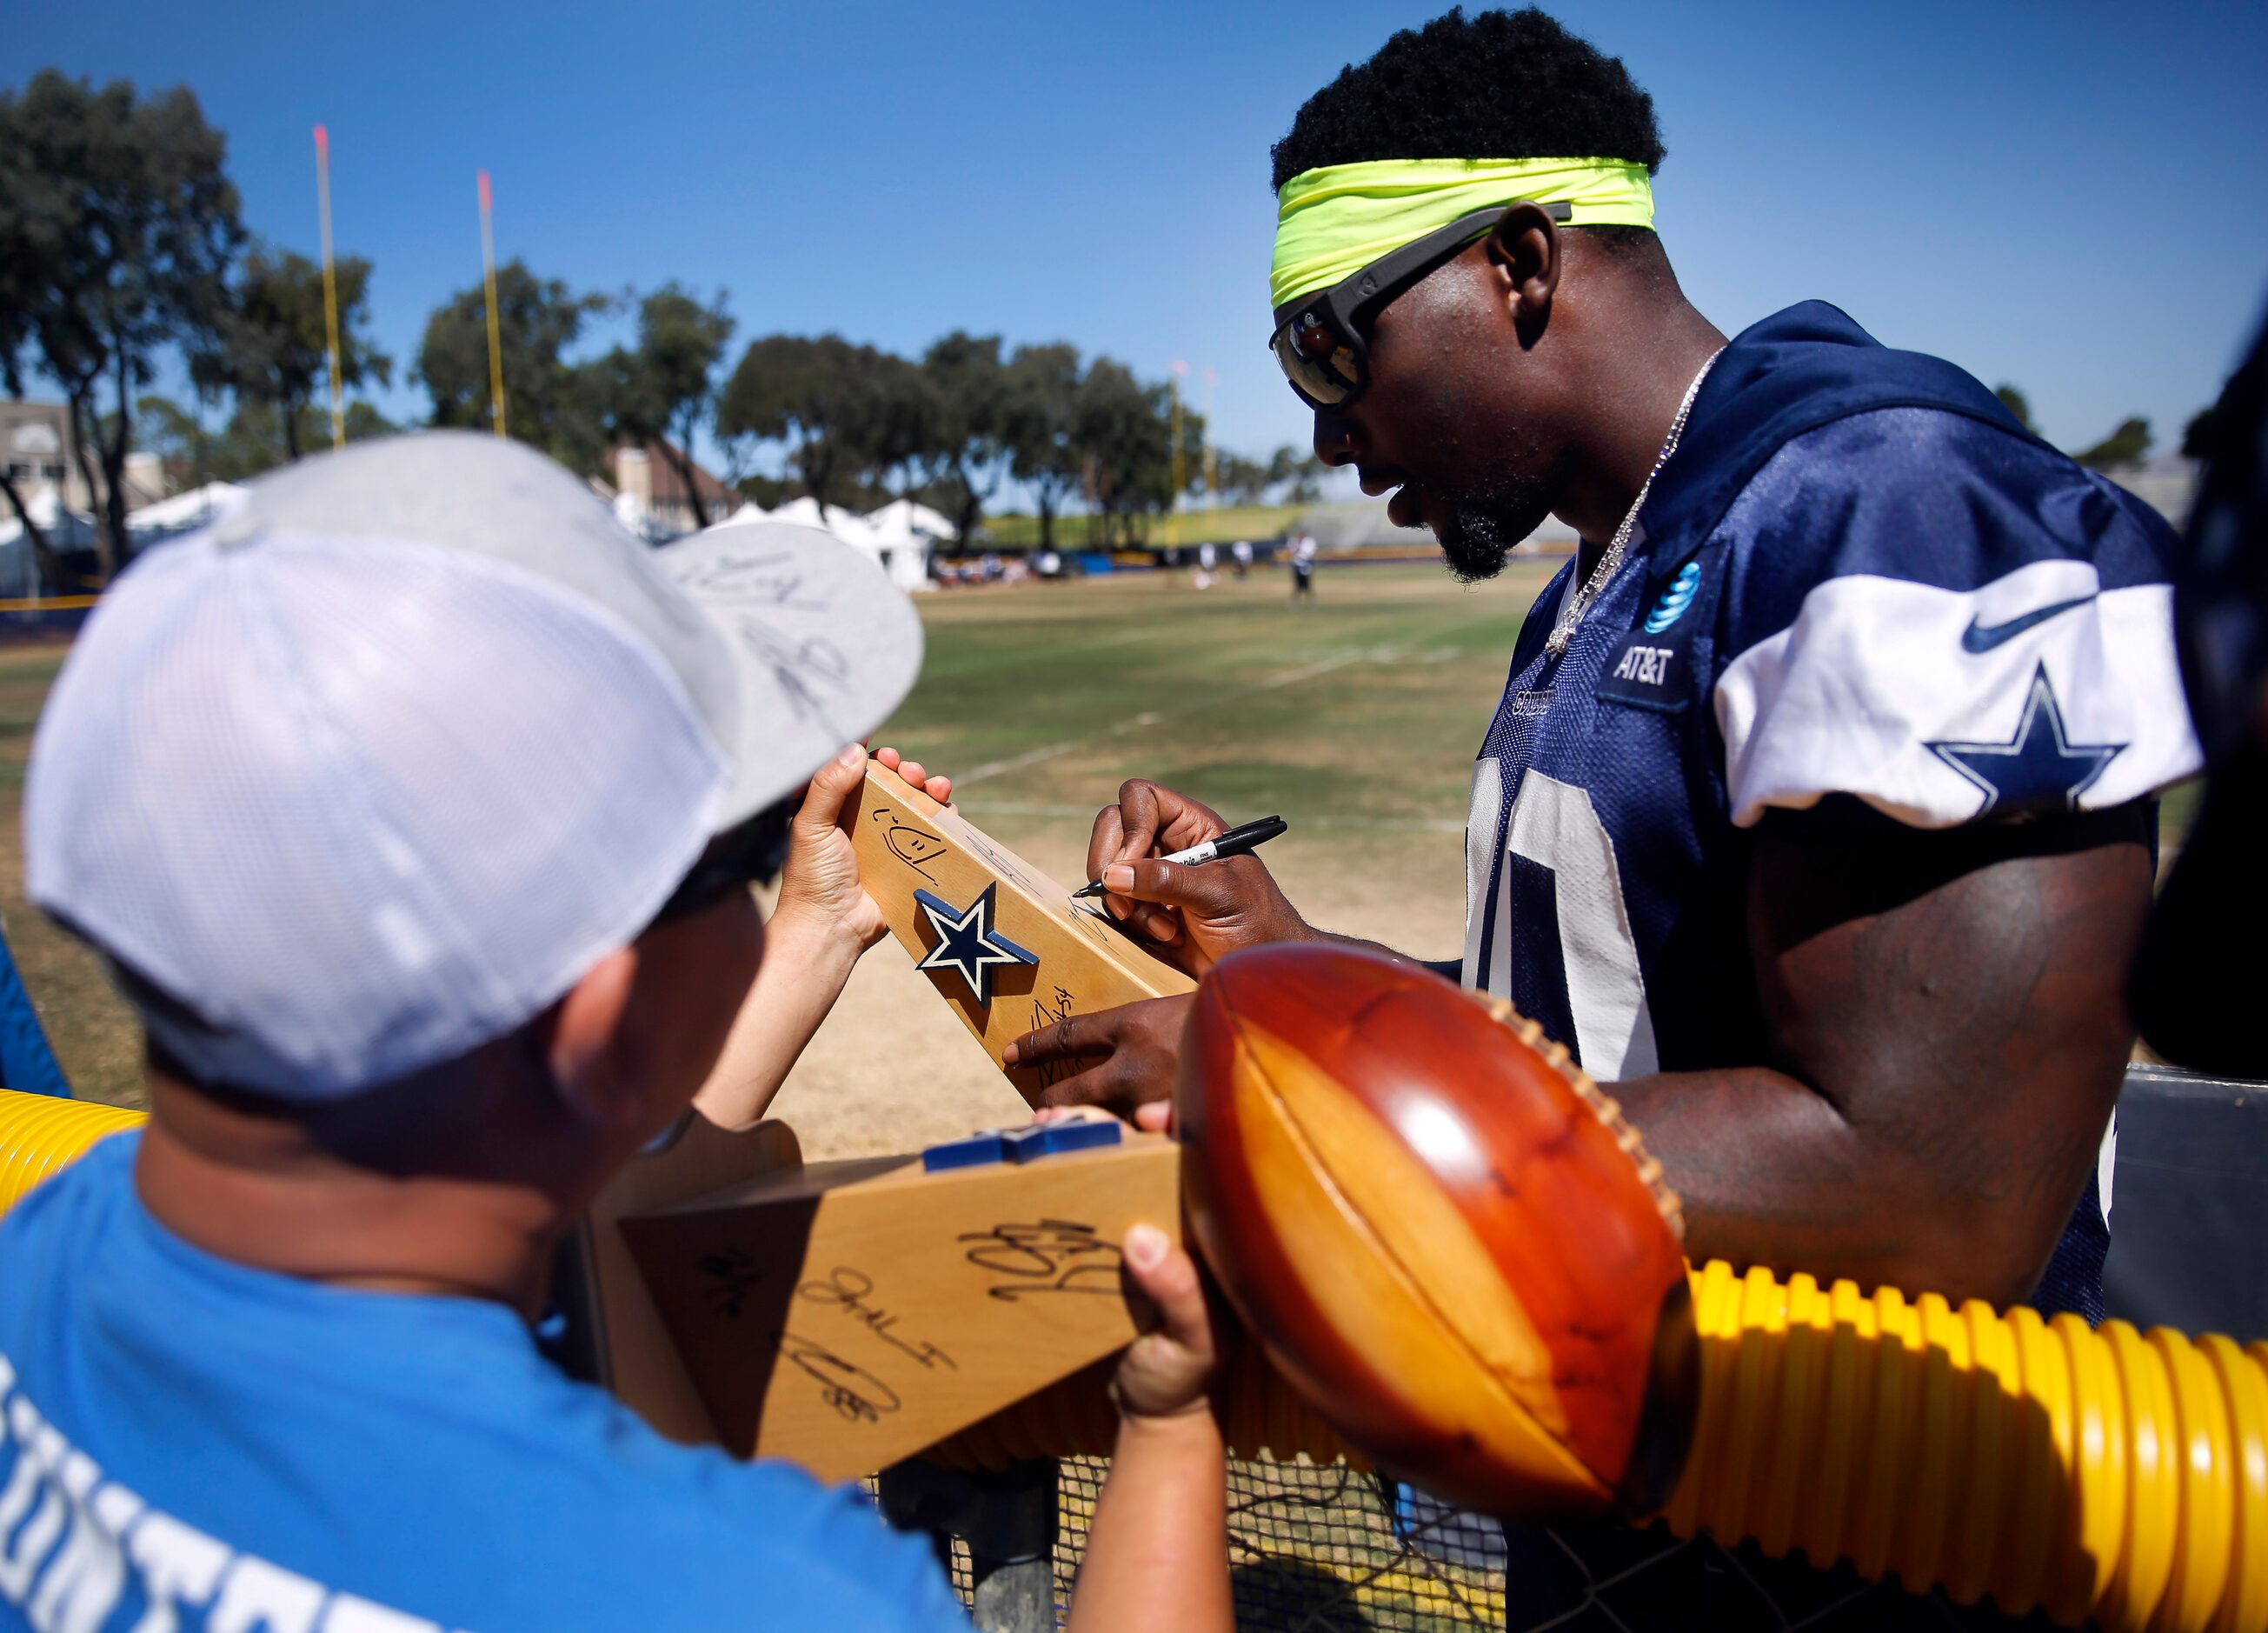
x=330 y=286
x=488 y=276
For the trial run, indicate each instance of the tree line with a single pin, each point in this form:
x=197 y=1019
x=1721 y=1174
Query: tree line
x=2130 y=440
x=851 y=425
x=121 y=249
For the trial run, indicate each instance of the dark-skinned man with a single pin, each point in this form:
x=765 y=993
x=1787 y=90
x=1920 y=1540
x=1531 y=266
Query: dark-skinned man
x=1816 y=814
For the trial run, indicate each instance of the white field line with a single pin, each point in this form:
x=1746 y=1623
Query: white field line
x=1388 y=654
x=1147 y=719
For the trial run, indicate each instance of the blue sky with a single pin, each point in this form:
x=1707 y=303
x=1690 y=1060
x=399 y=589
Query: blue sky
x=2071 y=196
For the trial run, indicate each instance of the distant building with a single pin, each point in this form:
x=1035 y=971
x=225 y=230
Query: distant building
x=41 y=451
x=37 y=441
x=650 y=495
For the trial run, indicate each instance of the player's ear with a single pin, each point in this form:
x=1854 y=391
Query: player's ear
x=1523 y=251
x=583 y=1050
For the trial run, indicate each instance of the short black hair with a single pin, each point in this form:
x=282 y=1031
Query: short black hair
x=1501 y=85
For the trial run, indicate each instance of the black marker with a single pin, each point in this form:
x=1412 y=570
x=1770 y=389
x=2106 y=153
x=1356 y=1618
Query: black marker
x=1235 y=842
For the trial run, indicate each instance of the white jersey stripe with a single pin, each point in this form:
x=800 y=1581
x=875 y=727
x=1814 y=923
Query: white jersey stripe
x=1482 y=822
x=1848 y=698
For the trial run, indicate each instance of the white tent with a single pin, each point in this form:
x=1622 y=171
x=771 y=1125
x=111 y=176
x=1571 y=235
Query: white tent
x=919 y=520
x=899 y=550
x=904 y=550
x=749 y=513
x=804 y=512
x=184 y=511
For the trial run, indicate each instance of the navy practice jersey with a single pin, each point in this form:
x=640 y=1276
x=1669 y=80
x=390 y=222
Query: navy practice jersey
x=1857 y=580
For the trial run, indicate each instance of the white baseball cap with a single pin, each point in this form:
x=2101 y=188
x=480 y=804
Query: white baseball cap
x=378 y=766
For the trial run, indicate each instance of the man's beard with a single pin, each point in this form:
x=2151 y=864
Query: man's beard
x=1484 y=527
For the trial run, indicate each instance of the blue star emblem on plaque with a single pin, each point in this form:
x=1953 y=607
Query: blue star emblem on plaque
x=967 y=942
x=2039 y=768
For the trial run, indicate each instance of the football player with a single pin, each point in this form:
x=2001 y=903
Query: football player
x=1817 y=815
x=1818 y=812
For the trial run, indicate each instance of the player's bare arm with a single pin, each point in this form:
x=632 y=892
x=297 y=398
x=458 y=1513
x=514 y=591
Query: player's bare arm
x=1947 y=1037
x=1945 y=1032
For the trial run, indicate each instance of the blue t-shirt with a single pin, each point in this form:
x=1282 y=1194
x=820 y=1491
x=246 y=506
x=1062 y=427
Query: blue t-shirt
x=185 y=1437
x=1858 y=581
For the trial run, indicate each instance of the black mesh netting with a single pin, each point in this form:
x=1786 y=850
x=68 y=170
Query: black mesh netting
x=1329 y=1549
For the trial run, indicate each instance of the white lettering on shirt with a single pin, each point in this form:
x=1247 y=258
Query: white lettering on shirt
x=346 y=1613
x=178 y=1564
x=75 y=1587
x=17 y=1564
x=81 y=1585
x=1649 y=666
x=258 y=1594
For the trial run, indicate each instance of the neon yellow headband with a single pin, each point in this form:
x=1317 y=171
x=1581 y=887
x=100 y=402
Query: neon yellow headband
x=1336 y=220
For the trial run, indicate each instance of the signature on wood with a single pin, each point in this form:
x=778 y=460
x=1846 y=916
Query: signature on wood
x=857 y=1395
x=849 y=1291
x=910 y=845
x=1054 y=1011
x=1051 y=1256
x=732 y=1278
x=1003 y=864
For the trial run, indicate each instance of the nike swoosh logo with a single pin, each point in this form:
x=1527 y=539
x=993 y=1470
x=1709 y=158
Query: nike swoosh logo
x=1977 y=638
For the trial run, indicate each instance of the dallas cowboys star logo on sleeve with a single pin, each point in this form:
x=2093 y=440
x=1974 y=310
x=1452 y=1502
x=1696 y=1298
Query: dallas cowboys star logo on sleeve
x=967 y=942
x=2039 y=768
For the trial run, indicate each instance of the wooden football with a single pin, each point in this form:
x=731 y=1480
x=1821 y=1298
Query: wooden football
x=1443 y=1234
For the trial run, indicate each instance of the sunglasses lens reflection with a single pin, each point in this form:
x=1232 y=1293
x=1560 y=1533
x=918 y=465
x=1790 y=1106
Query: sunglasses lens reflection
x=1320 y=367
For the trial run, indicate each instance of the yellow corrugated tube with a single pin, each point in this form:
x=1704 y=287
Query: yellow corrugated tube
x=2093 y=1473
x=40 y=1134
x=2104 y=1475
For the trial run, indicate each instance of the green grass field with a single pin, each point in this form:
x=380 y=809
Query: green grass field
x=1362 y=709
x=1356 y=718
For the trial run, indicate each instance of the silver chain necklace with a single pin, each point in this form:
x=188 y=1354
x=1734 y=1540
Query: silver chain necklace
x=1610 y=563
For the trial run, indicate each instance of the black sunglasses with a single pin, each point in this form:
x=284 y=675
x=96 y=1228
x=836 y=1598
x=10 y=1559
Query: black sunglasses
x=1317 y=343
x=752 y=853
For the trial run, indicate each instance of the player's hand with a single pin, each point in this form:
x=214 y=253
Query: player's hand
x=1168 y=1371
x=1128 y=1052
x=1218 y=907
x=1189 y=920
x=1147 y=821
x=820 y=891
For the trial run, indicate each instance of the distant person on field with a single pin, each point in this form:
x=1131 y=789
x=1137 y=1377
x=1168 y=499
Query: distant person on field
x=1303 y=566
x=415 y=806
x=1208 y=558
x=1240 y=556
